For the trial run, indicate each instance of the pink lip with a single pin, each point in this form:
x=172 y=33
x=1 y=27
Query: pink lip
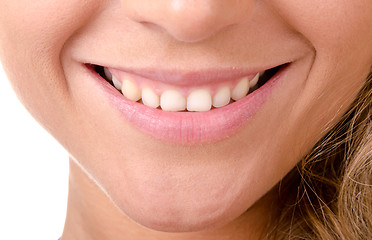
x=191 y=127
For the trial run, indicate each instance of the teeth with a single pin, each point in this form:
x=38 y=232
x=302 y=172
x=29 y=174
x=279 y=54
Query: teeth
x=199 y=100
x=149 y=98
x=130 y=90
x=107 y=73
x=116 y=83
x=172 y=100
x=254 y=81
x=222 y=97
x=241 y=89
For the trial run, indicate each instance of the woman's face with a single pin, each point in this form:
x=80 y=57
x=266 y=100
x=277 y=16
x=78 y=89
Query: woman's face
x=186 y=170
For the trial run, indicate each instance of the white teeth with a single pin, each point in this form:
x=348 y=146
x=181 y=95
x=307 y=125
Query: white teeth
x=222 y=97
x=199 y=100
x=254 y=81
x=172 y=100
x=130 y=90
x=149 y=98
x=241 y=89
x=107 y=74
x=116 y=83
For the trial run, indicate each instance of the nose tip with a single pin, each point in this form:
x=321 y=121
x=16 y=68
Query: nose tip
x=189 y=20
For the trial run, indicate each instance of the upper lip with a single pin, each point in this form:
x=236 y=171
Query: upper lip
x=199 y=77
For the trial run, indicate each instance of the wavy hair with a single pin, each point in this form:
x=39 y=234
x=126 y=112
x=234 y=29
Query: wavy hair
x=328 y=195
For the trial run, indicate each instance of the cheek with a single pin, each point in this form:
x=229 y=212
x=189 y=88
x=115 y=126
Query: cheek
x=340 y=34
x=32 y=37
x=332 y=27
x=44 y=24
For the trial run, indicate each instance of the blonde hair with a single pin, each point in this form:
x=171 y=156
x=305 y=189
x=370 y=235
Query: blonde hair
x=329 y=194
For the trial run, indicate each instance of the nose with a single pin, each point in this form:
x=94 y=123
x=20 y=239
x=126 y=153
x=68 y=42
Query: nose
x=189 y=20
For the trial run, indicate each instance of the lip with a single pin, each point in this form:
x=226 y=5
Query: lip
x=190 y=127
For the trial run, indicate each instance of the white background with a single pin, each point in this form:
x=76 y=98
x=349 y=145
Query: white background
x=33 y=174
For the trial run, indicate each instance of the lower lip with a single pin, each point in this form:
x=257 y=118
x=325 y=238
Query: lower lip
x=191 y=127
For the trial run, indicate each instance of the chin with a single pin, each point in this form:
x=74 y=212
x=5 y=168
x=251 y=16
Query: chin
x=188 y=220
x=195 y=212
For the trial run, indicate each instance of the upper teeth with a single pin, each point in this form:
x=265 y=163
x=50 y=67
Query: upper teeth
x=199 y=100
x=130 y=90
x=116 y=82
x=222 y=97
x=149 y=98
x=173 y=100
x=240 y=90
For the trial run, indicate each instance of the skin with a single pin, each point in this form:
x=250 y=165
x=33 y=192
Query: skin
x=219 y=190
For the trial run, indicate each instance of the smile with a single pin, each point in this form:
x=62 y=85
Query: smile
x=188 y=108
x=204 y=96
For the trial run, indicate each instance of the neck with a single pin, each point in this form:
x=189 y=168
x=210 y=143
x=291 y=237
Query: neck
x=92 y=215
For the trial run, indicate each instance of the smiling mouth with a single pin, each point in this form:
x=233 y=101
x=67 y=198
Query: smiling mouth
x=200 y=97
x=187 y=107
